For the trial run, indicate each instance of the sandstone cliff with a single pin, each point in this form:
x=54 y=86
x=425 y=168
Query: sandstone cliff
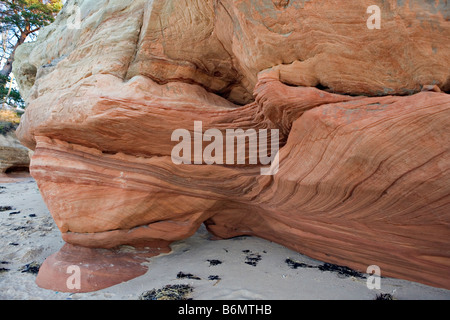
x=363 y=116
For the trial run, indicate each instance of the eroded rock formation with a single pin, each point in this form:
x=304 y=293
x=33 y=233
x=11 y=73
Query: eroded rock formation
x=363 y=117
x=13 y=155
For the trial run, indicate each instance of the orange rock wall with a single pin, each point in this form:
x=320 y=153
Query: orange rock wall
x=364 y=161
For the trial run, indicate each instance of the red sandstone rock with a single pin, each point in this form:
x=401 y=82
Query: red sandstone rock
x=77 y=269
x=361 y=180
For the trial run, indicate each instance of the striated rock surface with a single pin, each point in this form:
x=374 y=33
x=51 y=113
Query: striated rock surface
x=362 y=114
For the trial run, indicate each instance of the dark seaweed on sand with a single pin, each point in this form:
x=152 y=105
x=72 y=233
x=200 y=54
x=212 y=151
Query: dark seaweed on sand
x=384 y=296
x=190 y=276
x=340 y=270
x=252 y=259
x=295 y=264
x=214 y=262
x=343 y=271
x=170 y=292
x=32 y=268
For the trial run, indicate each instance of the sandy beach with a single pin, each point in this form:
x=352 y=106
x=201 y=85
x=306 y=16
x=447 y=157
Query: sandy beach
x=243 y=268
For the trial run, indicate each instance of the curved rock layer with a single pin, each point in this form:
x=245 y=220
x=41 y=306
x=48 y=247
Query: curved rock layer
x=363 y=175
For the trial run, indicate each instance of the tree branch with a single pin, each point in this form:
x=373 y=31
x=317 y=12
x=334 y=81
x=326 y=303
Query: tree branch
x=34 y=30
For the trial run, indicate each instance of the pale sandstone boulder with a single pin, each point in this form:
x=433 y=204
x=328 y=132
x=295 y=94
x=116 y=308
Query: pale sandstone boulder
x=13 y=155
x=364 y=160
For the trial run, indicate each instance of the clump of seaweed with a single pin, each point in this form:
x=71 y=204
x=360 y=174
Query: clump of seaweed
x=32 y=268
x=190 y=276
x=170 y=292
x=252 y=259
x=214 y=262
x=340 y=270
x=295 y=264
x=4 y=270
x=384 y=296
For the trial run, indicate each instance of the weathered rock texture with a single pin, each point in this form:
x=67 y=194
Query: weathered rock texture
x=364 y=158
x=13 y=155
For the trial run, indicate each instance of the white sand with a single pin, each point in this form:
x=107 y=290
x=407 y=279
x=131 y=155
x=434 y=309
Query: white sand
x=37 y=237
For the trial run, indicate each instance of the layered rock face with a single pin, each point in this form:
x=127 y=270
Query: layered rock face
x=13 y=156
x=362 y=173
